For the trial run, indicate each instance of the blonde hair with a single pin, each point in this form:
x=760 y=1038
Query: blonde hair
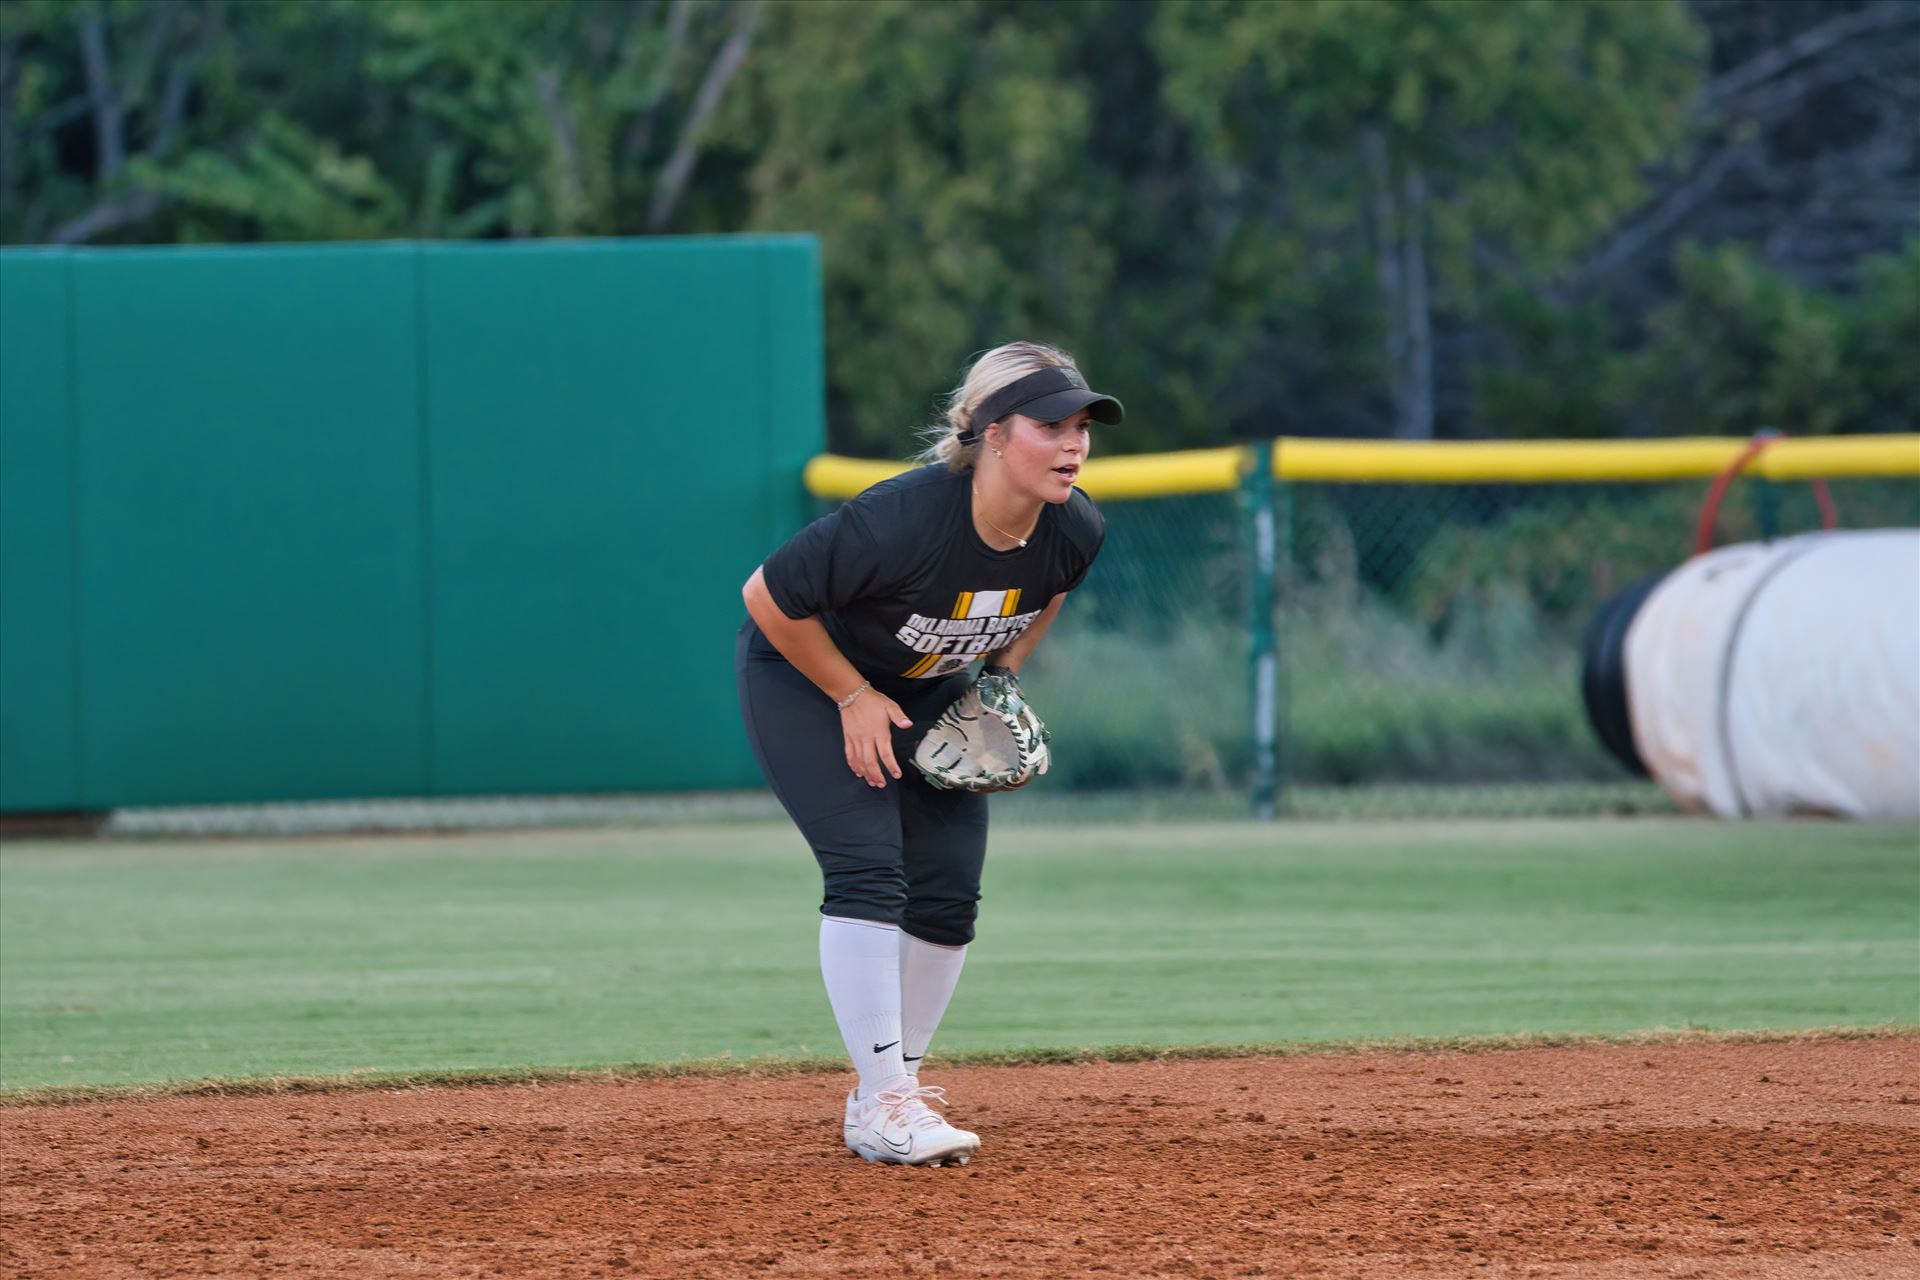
x=990 y=372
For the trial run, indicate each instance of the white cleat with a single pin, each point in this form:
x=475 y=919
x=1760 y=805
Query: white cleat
x=896 y=1126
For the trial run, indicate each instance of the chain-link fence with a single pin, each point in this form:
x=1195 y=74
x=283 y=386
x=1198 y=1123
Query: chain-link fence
x=1427 y=639
x=1426 y=645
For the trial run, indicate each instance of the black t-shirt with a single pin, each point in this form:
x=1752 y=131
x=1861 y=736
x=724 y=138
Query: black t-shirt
x=905 y=586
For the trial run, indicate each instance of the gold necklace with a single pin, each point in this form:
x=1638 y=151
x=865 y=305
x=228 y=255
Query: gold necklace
x=991 y=525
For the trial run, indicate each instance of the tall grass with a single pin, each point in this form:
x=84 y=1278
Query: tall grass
x=1427 y=634
x=1369 y=696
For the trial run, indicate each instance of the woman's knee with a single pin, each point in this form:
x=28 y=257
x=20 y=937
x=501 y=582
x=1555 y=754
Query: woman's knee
x=871 y=891
x=944 y=922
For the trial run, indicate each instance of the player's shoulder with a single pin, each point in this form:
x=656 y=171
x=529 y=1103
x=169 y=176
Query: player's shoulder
x=915 y=494
x=915 y=481
x=1081 y=521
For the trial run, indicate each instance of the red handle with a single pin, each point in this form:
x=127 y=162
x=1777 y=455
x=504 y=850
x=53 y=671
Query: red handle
x=1710 y=508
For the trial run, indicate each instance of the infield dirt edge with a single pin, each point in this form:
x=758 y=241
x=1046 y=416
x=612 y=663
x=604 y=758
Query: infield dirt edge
x=724 y=1066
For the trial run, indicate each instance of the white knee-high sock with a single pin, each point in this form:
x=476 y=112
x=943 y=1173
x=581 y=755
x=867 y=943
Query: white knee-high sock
x=860 y=960
x=928 y=973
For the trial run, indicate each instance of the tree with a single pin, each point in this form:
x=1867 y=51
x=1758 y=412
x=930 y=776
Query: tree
x=572 y=118
x=1886 y=333
x=987 y=170
x=1800 y=150
x=1803 y=143
x=1742 y=347
x=1345 y=217
x=355 y=119
x=939 y=150
x=87 y=93
x=1470 y=141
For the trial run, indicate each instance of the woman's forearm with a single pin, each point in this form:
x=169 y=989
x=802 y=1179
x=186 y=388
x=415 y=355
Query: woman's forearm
x=1020 y=650
x=802 y=641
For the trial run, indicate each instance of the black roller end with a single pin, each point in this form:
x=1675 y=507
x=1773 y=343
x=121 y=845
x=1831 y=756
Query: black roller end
x=1603 y=673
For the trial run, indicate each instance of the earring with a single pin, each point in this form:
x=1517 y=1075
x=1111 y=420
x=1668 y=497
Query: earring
x=998 y=454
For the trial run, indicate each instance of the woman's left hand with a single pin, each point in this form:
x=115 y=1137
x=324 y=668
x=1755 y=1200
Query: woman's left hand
x=866 y=726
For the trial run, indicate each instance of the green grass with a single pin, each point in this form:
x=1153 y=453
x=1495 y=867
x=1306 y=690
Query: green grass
x=158 y=961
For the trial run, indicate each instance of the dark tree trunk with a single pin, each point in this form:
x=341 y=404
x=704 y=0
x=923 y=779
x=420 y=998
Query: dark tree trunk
x=1396 y=215
x=1414 y=419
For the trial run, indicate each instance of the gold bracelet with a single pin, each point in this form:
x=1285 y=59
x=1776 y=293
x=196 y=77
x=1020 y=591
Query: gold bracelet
x=844 y=703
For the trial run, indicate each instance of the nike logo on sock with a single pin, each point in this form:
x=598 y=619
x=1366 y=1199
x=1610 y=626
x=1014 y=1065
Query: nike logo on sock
x=882 y=1048
x=915 y=1059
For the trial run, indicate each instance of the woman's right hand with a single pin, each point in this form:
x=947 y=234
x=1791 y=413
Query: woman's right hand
x=866 y=724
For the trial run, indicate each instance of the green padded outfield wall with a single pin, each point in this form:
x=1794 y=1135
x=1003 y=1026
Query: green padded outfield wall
x=305 y=522
x=250 y=546
x=39 y=660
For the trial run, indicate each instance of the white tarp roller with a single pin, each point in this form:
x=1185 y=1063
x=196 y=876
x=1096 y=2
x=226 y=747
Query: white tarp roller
x=1776 y=678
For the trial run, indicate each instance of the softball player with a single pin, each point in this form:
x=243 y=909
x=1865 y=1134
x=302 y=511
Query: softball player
x=860 y=631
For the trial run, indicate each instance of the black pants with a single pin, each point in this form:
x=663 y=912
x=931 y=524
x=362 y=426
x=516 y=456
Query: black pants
x=906 y=854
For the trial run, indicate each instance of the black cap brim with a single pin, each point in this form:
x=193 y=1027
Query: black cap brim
x=1064 y=404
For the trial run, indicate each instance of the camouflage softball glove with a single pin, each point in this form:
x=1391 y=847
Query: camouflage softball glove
x=988 y=740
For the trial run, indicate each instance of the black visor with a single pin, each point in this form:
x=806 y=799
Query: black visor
x=1047 y=396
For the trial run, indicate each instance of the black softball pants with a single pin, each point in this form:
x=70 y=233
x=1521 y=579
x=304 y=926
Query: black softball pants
x=908 y=853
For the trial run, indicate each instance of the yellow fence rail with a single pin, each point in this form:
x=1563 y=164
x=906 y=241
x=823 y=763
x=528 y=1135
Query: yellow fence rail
x=1160 y=475
x=1422 y=585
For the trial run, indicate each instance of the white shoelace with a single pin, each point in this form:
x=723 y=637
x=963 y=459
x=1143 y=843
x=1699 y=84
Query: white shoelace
x=911 y=1105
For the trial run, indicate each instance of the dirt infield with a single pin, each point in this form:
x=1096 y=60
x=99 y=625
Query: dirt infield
x=1681 y=1159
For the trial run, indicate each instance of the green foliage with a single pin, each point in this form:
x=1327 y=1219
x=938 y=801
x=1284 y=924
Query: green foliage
x=285 y=183
x=1428 y=635
x=55 y=163
x=1557 y=376
x=1572 y=99
x=1743 y=347
x=1482 y=146
x=943 y=145
x=1374 y=697
x=1739 y=347
x=551 y=109
x=1565 y=554
x=1185 y=217
x=1885 y=338
x=1183 y=721
x=360 y=119
x=1205 y=201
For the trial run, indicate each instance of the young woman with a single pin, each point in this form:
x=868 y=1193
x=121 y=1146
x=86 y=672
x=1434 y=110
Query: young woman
x=861 y=630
